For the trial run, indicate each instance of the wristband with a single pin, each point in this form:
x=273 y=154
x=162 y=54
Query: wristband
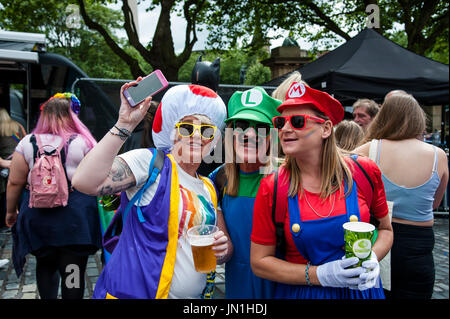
x=123 y=131
x=307 y=274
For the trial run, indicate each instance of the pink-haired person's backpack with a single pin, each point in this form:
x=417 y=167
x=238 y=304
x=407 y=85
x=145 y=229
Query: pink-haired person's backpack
x=48 y=180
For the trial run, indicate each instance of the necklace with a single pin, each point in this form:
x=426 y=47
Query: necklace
x=332 y=207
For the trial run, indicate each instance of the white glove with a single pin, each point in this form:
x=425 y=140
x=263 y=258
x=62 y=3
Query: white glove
x=334 y=274
x=372 y=271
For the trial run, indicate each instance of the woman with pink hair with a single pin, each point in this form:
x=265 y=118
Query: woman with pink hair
x=58 y=236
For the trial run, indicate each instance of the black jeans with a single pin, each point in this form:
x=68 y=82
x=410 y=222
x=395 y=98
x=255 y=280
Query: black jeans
x=412 y=264
x=60 y=263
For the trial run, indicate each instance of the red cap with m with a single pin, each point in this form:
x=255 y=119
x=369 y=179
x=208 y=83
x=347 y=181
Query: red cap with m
x=301 y=94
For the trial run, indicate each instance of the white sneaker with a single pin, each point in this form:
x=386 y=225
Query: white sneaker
x=3 y=262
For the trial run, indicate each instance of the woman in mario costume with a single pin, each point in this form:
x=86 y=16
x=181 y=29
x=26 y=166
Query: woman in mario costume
x=252 y=149
x=153 y=258
x=320 y=195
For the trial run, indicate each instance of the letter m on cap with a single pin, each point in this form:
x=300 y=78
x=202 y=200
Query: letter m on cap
x=296 y=90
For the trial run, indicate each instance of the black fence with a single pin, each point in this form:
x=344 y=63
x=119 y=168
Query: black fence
x=100 y=100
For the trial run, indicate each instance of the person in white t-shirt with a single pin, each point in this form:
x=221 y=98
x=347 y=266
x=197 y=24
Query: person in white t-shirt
x=187 y=125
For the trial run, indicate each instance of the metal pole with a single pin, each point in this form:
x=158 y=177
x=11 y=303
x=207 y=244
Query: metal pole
x=172 y=83
x=28 y=95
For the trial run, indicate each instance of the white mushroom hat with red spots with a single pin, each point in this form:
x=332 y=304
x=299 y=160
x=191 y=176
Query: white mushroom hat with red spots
x=183 y=100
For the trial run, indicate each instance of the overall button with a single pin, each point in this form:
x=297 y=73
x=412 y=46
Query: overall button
x=296 y=228
x=353 y=218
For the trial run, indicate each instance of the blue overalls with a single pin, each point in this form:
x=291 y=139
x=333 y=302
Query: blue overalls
x=321 y=241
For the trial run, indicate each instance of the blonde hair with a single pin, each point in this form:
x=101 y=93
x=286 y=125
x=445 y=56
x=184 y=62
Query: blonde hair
x=333 y=167
x=281 y=90
x=348 y=135
x=400 y=118
x=232 y=168
x=8 y=126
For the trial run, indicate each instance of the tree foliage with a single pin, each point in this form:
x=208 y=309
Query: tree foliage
x=327 y=23
x=160 y=52
x=238 y=30
x=84 y=47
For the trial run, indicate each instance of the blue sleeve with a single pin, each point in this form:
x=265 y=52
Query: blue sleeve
x=212 y=177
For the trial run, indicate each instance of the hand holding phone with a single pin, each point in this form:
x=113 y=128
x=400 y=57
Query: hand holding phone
x=130 y=117
x=148 y=86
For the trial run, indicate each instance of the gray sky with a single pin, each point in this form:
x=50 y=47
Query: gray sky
x=148 y=21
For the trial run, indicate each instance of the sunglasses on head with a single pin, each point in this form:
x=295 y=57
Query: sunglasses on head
x=297 y=122
x=188 y=129
x=262 y=129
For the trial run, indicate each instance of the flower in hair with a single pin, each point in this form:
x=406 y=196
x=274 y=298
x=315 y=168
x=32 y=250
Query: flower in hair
x=74 y=102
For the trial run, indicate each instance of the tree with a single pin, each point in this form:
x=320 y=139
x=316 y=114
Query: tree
x=160 y=52
x=84 y=47
x=425 y=22
x=257 y=74
x=328 y=23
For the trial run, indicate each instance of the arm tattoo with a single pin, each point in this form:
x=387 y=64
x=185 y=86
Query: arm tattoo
x=119 y=170
x=120 y=178
x=114 y=189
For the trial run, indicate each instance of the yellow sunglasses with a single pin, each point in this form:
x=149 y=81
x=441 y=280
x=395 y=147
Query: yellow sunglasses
x=188 y=129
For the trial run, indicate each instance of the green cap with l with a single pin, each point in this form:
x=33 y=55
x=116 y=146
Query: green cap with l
x=253 y=105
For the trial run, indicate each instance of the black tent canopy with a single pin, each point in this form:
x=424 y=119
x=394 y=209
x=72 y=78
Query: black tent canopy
x=369 y=66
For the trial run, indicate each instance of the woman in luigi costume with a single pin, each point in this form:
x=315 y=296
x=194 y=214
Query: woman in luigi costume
x=248 y=139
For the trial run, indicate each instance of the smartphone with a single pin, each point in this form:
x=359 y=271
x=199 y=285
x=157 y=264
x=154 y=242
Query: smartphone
x=148 y=86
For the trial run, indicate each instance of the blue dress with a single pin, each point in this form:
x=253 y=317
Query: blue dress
x=321 y=241
x=240 y=282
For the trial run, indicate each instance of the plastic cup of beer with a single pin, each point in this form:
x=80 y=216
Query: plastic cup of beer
x=201 y=239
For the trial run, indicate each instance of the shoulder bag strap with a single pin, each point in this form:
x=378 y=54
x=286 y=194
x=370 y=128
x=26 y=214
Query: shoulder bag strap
x=278 y=214
x=35 y=147
x=368 y=192
x=155 y=167
x=354 y=157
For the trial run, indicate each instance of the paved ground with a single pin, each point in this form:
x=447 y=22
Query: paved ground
x=24 y=287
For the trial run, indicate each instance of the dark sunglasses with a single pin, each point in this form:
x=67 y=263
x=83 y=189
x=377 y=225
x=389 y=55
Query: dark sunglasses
x=188 y=129
x=261 y=129
x=298 y=121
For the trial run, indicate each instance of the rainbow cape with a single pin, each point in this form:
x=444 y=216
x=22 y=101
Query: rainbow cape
x=141 y=266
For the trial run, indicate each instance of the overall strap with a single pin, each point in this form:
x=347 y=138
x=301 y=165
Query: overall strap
x=351 y=202
x=156 y=165
x=221 y=182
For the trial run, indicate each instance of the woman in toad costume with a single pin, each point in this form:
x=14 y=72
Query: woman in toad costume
x=153 y=258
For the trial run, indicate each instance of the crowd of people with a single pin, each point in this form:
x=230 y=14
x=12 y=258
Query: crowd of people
x=291 y=178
